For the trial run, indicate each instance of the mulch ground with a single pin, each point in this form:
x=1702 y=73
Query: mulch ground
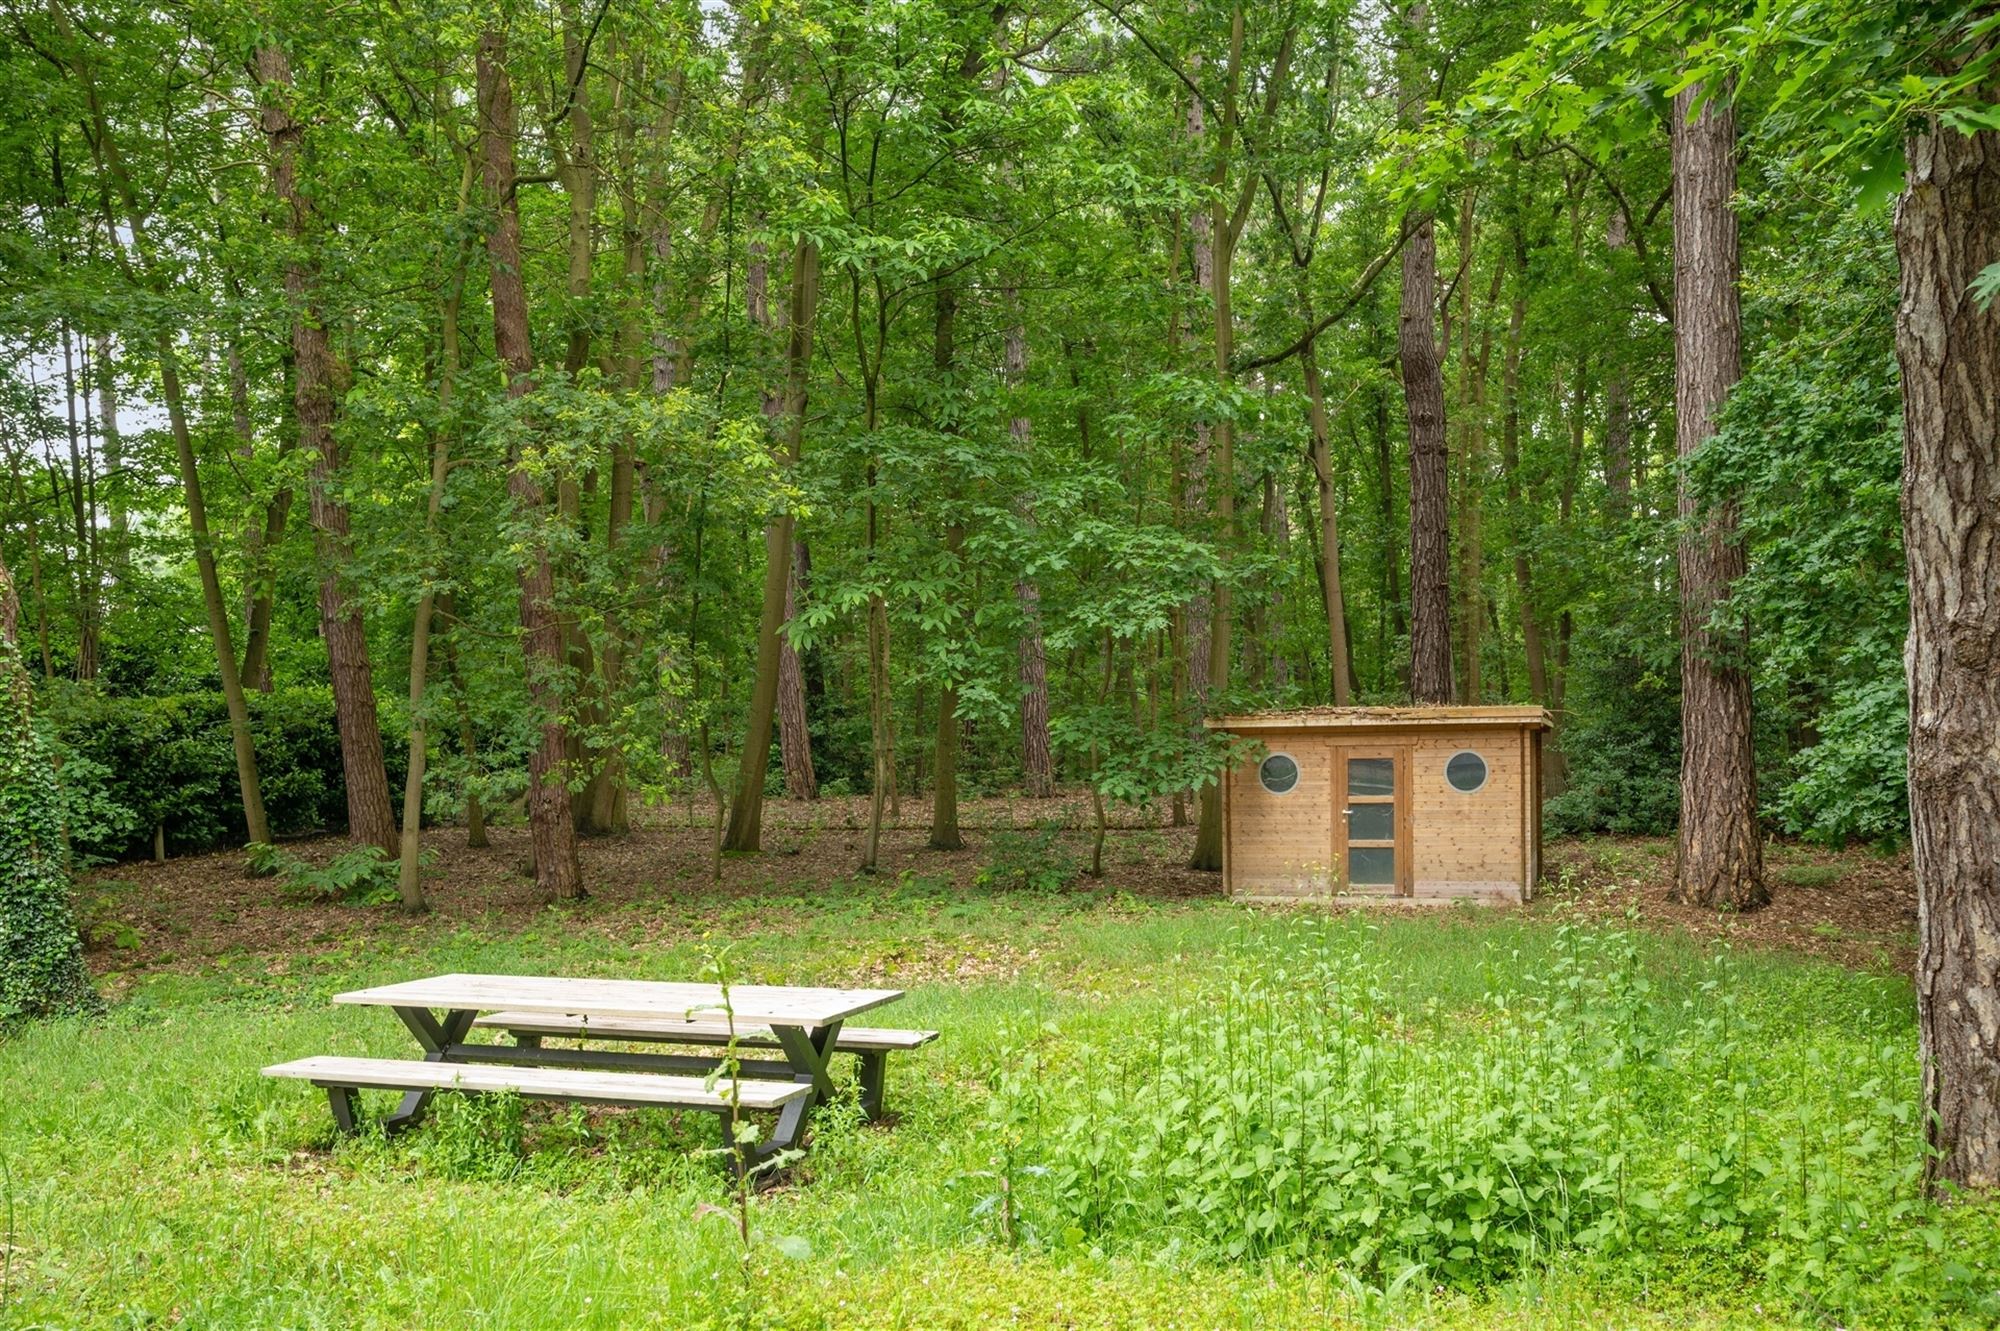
x=1855 y=907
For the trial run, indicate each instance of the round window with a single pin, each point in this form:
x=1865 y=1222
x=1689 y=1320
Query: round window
x=1278 y=773
x=1466 y=771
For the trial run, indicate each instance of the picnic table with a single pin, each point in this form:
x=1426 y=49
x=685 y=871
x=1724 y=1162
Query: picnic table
x=804 y=1026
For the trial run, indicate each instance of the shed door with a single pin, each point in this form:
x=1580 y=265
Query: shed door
x=1371 y=810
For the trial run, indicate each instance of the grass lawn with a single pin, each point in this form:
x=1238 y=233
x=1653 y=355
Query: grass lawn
x=1690 y=1135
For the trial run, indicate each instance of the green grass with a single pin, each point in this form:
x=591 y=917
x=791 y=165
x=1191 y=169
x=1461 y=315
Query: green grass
x=153 y=1178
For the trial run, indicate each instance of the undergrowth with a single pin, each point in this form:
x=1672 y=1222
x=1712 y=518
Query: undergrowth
x=1288 y=1109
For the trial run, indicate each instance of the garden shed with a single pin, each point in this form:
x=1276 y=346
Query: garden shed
x=1411 y=803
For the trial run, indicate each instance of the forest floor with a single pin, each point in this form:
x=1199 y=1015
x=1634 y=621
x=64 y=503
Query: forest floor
x=1856 y=906
x=150 y=1177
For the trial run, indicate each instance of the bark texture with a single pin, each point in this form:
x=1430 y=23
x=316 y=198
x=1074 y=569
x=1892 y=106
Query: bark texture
x=1340 y=669
x=1721 y=860
x=794 y=737
x=1430 y=458
x=369 y=819
x=1947 y=232
x=557 y=873
x=746 y=811
x=1038 y=779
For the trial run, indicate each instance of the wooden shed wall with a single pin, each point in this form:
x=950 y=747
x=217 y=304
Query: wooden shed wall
x=1282 y=845
x=1467 y=844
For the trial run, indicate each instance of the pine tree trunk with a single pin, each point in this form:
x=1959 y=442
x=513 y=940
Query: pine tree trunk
x=1947 y=233
x=369 y=819
x=553 y=828
x=1721 y=849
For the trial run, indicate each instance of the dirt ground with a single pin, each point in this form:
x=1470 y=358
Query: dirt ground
x=1856 y=907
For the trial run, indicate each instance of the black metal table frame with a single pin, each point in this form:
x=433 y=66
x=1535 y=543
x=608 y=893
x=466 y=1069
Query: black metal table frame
x=808 y=1053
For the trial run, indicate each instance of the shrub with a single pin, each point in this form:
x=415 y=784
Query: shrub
x=128 y=765
x=1032 y=861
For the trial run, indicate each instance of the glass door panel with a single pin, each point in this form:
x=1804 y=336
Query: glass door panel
x=1370 y=822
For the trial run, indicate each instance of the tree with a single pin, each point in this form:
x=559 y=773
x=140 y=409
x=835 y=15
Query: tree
x=41 y=957
x=1423 y=398
x=1721 y=860
x=369 y=819
x=557 y=873
x=1948 y=344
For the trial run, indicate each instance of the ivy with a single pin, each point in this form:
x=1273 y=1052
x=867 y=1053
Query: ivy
x=41 y=956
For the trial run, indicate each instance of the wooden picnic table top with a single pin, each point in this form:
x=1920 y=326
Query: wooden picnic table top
x=766 y=1004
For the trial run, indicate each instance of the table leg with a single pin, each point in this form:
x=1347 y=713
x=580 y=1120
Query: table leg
x=809 y=1053
x=341 y=1098
x=437 y=1038
x=874 y=1072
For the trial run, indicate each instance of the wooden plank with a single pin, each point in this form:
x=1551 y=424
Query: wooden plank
x=578 y=1026
x=541 y=1083
x=1366 y=718
x=753 y=1004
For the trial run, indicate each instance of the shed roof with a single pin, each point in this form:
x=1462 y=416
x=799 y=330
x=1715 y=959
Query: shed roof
x=1376 y=718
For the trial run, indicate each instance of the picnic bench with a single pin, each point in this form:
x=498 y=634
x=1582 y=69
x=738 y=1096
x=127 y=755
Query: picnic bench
x=804 y=1026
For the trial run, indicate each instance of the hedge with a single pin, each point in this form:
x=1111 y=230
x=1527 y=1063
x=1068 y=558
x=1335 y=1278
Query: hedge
x=128 y=765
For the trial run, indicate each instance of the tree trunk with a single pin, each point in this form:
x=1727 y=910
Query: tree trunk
x=409 y=869
x=261 y=531
x=944 y=785
x=746 y=812
x=105 y=146
x=1721 y=851
x=553 y=828
x=609 y=808
x=1469 y=461
x=369 y=820
x=944 y=753
x=114 y=458
x=1340 y=666
x=1947 y=233
x=794 y=737
x=1423 y=397
x=88 y=608
x=1229 y=214
x=1510 y=463
x=882 y=743
x=1617 y=410
x=1038 y=781
x=468 y=740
